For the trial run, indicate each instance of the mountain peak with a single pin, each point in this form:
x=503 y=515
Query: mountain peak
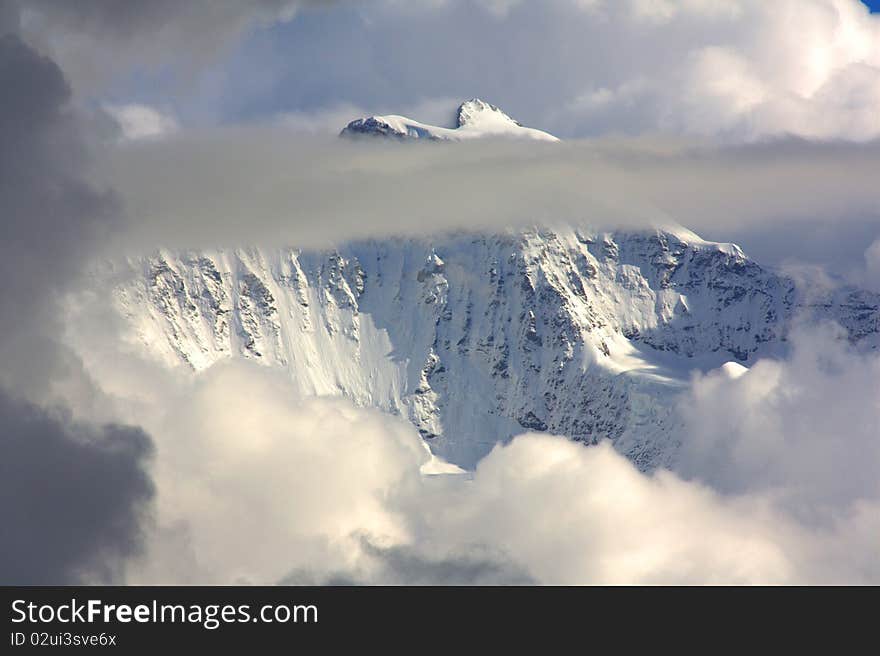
x=476 y=119
x=476 y=111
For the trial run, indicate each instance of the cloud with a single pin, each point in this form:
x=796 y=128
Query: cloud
x=730 y=69
x=73 y=497
x=725 y=69
x=736 y=71
x=741 y=70
x=38 y=186
x=802 y=428
x=73 y=493
x=872 y=265
x=260 y=486
x=253 y=484
x=141 y=121
x=197 y=189
x=610 y=523
x=185 y=35
x=412 y=565
x=264 y=483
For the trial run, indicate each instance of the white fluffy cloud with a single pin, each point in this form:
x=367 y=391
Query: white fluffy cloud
x=737 y=69
x=575 y=514
x=255 y=485
x=803 y=428
x=742 y=69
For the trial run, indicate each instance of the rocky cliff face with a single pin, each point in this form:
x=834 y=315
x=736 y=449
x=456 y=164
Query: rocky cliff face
x=478 y=337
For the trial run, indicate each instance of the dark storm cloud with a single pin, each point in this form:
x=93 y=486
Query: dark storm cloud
x=49 y=215
x=71 y=494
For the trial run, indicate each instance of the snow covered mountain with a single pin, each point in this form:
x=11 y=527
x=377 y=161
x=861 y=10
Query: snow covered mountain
x=475 y=119
x=476 y=337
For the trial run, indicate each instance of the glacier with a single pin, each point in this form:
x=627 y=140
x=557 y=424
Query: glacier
x=475 y=337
